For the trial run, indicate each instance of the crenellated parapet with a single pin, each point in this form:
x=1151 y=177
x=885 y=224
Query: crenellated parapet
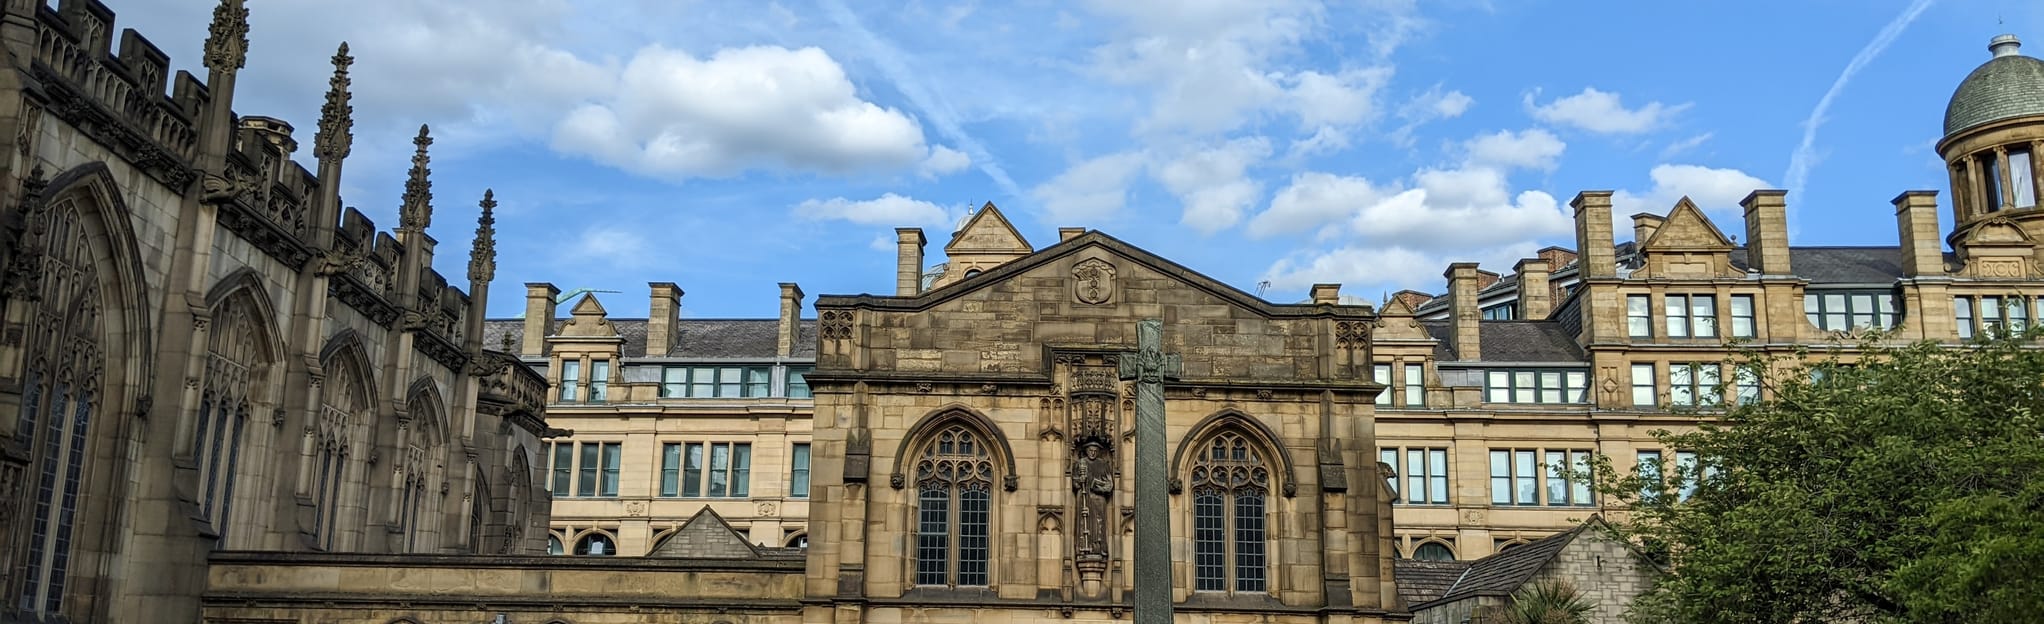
x=510 y=389
x=119 y=100
x=361 y=269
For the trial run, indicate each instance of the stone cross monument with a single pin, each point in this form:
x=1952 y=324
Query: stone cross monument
x=1149 y=366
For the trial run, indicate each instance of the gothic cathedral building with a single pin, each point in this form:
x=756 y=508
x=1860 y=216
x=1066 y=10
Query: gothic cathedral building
x=202 y=351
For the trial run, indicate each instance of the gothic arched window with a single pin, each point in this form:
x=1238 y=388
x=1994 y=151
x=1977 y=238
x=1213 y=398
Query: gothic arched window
x=236 y=365
x=1229 y=485
x=422 y=445
x=342 y=401
x=954 y=482
x=60 y=394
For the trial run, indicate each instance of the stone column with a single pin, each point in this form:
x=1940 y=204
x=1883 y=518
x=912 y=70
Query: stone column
x=908 y=267
x=1767 y=244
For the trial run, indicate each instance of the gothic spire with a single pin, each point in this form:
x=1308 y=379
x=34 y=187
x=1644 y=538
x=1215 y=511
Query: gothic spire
x=227 y=39
x=417 y=211
x=337 y=117
x=482 y=260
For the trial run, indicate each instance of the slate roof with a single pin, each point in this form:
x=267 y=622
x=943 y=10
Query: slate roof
x=1511 y=341
x=1839 y=265
x=2004 y=87
x=1424 y=581
x=1505 y=572
x=695 y=338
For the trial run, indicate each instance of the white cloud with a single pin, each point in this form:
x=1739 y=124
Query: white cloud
x=889 y=209
x=1211 y=66
x=1435 y=104
x=944 y=161
x=611 y=245
x=1601 y=112
x=1444 y=208
x=1528 y=149
x=1684 y=145
x=1212 y=185
x=1089 y=191
x=1315 y=199
x=1716 y=191
x=678 y=116
x=1341 y=99
x=1363 y=269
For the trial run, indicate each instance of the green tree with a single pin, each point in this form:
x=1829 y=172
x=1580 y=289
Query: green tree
x=1903 y=488
x=1545 y=602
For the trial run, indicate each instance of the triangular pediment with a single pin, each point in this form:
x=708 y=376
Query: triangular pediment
x=1687 y=230
x=588 y=320
x=705 y=536
x=1118 y=255
x=1397 y=322
x=988 y=231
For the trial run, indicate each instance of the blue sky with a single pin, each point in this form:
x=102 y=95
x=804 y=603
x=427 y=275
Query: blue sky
x=728 y=146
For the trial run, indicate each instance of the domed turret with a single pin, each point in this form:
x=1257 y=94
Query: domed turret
x=1994 y=135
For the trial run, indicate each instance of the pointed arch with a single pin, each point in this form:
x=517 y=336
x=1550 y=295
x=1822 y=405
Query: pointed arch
x=243 y=349
x=931 y=423
x=1272 y=446
x=425 y=418
x=87 y=352
x=339 y=431
x=423 y=401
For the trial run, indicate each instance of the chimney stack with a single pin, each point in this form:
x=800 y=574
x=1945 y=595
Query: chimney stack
x=1069 y=233
x=1767 y=245
x=1644 y=225
x=1463 y=310
x=1916 y=215
x=1326 y=294
x=1593 y=234
x=663 y=319
x=1535 y=300
x=908 y=268
x=791 y=318
x=539 y=317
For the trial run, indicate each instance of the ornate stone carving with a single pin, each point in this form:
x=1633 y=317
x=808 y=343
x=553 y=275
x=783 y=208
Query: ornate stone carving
x=336 y=136
x=766 y=510
x=834 y=324
x=1050 y=519
x=925 y=387
x=635 y=508
x=417 y=212
x=1093 y=281
x=1351 y=334
x=482 y=260
x=1093 y=480
x=227 y=40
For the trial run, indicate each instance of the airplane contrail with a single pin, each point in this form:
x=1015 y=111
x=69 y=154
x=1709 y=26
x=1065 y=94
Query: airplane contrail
x=1805 y=155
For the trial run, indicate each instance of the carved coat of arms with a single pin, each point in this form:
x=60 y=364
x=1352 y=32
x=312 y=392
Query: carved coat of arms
x=1093 y=281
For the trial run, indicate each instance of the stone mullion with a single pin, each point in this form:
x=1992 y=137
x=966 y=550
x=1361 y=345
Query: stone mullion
x=2001 y=171
x=2037 y=172
x=1962 y=204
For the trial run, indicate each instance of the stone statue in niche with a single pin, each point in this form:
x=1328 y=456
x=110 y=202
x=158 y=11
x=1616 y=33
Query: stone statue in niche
x=1093 y=479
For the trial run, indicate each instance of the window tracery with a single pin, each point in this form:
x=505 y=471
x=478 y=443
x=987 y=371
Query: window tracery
x=1230 y=483
x=61 y=394
x=954 y=477
x=236 y=366
x=342 y=403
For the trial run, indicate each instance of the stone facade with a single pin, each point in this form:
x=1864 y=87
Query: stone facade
x=1606 y=571
x=674 y=397
x=201 y=353
x=1018 y=362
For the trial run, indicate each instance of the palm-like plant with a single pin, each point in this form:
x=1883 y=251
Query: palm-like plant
x=1546 y=602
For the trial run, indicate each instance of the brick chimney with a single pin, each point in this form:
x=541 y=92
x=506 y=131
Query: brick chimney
x=1462 y=309
x=1644 y=225
x=1557 y=257
x=1535 y=300
x=1916 y=215
x=791 y=318
x=663 y=319
x=1767 y=244
x=1412 y=299
x=539 y=317
x=1593 y=234
x=908 y=268
x=1069 y=233
x=1326 y=294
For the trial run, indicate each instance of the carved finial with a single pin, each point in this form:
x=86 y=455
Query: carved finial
x=337 y=117
x=227 y=40
x=482 y=260
x=417 y=212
